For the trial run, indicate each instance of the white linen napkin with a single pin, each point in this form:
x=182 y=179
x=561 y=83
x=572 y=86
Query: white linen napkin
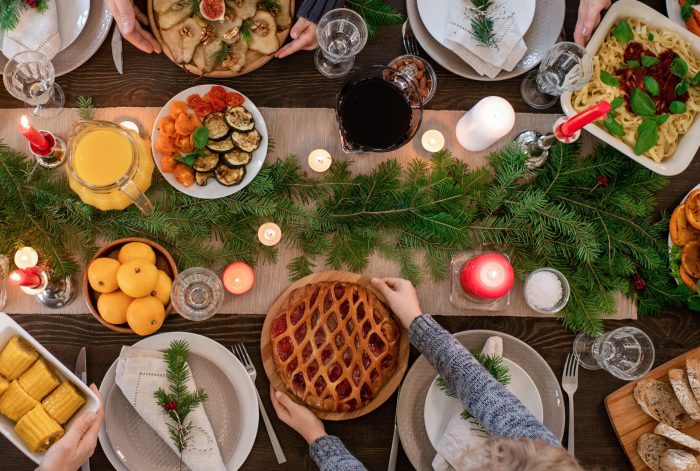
x=34 y=32
x=462 y=444
x=139 y=374
x=485 y=60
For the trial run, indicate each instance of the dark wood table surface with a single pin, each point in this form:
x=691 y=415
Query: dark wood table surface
x=152 y=80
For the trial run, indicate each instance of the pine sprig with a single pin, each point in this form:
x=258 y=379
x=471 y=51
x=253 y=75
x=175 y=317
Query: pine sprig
x=222 y=52
x=482 y=24
x=376 y=13
x=86 y=108
x=245 y=31
x=11 y=10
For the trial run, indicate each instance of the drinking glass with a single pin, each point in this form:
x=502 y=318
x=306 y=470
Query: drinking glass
x=626 y=353
x=29 y=76
x=565 y=68
x=341 y=35
x=197 y=294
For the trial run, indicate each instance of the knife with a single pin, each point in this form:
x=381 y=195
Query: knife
x=81 y=372
x=395 y=440
x=117 y=50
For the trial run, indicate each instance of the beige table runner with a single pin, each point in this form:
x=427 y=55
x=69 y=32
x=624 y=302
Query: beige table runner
x=298 y=131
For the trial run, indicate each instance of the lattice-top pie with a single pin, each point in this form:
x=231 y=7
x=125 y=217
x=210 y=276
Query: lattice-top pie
x=335 y=345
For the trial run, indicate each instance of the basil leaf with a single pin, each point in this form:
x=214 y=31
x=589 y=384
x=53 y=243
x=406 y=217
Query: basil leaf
x=623 y=32
x=677 y=107
x=641 y=103
x=200 y=137
x=613 y=126
x=695 y=81
x=633 y=63
x=650 y=36
x=679 y=67
x=617 y=102
x=687 y=10
x=608 y=79
x=662 y=118
x=648 y=61
x=187 y=159
x=681 y=88
x=647 y=136
x=651 y=85
x=694 y=301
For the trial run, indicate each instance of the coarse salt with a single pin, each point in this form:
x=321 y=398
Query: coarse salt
x=543 y=290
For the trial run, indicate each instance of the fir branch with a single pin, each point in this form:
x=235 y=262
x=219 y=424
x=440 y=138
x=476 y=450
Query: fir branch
x=482 y=25
x=375 y=13
x=245 y=32
x=86 y=108
x=11 y=10
x=220 y=55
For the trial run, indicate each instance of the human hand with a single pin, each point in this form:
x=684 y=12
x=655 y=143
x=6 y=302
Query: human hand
x=588 y=19
x=78 y=444
x=303 y=35
x=402 y=298
x=301 y=419
x=126 y=16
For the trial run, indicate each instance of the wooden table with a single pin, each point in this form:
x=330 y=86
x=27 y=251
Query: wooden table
x=152 y=80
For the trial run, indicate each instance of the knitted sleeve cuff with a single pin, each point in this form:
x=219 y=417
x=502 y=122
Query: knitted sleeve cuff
x=326 y=448
x=423 y=331
x=313 y=10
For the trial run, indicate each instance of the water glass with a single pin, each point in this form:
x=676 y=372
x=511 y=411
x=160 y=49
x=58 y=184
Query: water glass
x=626 y=353
x=565 y=68
x=29 y=76
x=341 y=35
x=197 y=294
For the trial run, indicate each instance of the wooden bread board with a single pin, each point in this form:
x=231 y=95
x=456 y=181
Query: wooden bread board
x=630 y=422
x=269 y=363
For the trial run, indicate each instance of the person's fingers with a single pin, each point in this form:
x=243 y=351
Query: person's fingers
x=124 y=15
x=81 y=425
x=299 y=27
x=588 y=19
x=382 y=286
x=285 y=400
x=153 y=41
x=143 y=19
x=138 y=41
x=291 y=48
x=282 y=411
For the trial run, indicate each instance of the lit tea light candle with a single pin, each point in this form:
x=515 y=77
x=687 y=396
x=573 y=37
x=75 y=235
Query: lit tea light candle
x=488 y=276
x=320 y=160
x=269 y=234
x=130 y=125
x=26 y=257
x=26 y=277
x=238 y=278
x=432 y=140
x=487 y=122
x=34 y=137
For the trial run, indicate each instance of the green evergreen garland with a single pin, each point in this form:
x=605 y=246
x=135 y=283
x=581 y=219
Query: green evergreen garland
x=10 y=11
x=376 y=13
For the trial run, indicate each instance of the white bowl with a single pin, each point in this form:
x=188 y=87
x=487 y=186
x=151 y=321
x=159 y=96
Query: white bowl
x=690 y=142
x=8 y=329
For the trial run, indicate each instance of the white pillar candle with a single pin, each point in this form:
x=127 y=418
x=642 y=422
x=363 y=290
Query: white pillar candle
x=432 y=140
x=484 y=124
x=269 y=234
x=320 y=160
x=26 y=257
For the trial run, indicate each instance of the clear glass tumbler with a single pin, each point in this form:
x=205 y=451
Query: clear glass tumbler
x=626 y=353
x=29 y=76
x=565 y=68
x=197 y=294
x=341 y=35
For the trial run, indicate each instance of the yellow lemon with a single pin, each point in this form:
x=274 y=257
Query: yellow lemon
x=113 y=306
x=145 y=315
x=162 y=288
x=138 y=250
x=102 y=275
x=137 y=277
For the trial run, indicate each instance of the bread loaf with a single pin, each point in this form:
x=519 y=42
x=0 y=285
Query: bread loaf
x=658 y=400
x=679 y=383
x=678 y=437
x=692 y=367
x=650 y=447
x=678 y=460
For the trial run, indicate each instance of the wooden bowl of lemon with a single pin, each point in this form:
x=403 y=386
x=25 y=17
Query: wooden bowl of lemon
x=127 y=285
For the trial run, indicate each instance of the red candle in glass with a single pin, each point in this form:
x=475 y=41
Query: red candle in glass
x=238 y=278
x=584 y=118
x=34 y=137
x=26 y=277
x=487 y=276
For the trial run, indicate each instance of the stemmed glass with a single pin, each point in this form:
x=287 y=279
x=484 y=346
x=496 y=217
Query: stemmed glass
x=626 y=353
x=341 y=35
x=29 y=76
x=565 y=68
x=197 y=294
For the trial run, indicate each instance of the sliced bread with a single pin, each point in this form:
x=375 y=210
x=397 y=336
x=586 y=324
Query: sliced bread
x=692 y=367
x=650 y=447
x=658 y=400
x=679 y=383
x=678 y=460
x=678 y=437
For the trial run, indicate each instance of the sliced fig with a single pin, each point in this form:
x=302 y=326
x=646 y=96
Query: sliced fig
x=212 y=10
x=263 y=37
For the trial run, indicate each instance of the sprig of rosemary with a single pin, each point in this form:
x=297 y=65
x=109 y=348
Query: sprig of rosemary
x=482 y=24
x=220 y=55
x=86 y=108
x=245 y=31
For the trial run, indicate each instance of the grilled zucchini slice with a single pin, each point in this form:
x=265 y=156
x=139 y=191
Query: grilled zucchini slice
x=206 y=162
x=240 y=119
x=201 y=178
x=236 y=157
x=246 y=141
x=220 y=147
x=216 y=125
x=229 y=176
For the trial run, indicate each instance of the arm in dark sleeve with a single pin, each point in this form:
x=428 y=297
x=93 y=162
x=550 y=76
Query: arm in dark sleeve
x=330 y=454
x=313 y=10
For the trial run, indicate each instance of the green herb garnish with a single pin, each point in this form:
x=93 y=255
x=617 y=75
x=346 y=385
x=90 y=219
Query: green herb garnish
x=662 y=118
x=482 y=25
x=650 y=36
x=219 y=56
x=200 y=138
x=609 y=79
x=677 y=107
x=641 y=103
x=617 y=102
x=633 y=63
x=648 y=61
x=687 y=9
x=613 y=127
x=651 y=85
x=647 y=136
x=681 y=88
x=679 y=67
x=695 y=81
x=623 y=32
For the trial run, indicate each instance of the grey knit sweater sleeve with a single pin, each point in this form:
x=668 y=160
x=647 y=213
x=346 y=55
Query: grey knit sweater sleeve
x=330 y=454
x=496 y=409
x=313 y=10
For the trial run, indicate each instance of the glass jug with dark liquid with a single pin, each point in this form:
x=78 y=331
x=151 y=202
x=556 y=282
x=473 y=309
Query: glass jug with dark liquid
x=378 y=110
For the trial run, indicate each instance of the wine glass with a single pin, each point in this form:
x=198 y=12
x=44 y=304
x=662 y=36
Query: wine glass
x=341 y=35
x=626 y=353
x=29 y=76
x=565 y=68
x=197 y=294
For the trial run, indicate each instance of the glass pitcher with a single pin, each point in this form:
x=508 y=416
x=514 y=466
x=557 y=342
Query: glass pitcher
x=109 y=167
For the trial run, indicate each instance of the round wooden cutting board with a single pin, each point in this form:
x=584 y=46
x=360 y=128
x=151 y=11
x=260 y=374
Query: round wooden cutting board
x=269 y=363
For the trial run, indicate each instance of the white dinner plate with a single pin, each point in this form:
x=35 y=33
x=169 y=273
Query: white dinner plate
x=224 y=360
x=435 y=14
x=440 y=408
x=213 y=189
x=673 y=8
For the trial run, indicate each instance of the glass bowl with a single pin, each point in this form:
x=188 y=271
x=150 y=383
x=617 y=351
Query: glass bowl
x=417 y=69
x=566 y=291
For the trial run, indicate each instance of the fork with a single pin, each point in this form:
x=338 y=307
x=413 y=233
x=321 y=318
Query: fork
x=569 y=383
x=242 y=354
x=409 y=40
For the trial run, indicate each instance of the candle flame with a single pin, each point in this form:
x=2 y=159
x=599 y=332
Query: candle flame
x=24 y=121
x=492 y=274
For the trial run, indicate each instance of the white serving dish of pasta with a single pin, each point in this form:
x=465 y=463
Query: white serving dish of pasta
x=679 y=136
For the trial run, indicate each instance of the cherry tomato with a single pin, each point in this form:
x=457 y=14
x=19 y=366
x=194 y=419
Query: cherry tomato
x=234 y=99
x=218 y=104
x=203 y=109
x=193 y=101
x=218 y=92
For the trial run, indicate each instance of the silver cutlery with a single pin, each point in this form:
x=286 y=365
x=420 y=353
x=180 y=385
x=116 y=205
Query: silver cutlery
x=242 y=354
x=409 y=40
x=117 y=50
x=569 y=383
x=395 y=441
x=81 y=372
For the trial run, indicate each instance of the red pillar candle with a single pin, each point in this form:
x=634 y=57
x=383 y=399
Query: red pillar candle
x=487 y=276
x=584 y=118
x=238 y=278
x=34 y=137
x=27 y=277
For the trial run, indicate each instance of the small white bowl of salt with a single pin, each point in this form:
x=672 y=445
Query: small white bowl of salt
x=546 y=290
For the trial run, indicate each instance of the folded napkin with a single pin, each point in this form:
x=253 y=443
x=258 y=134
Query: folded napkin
x=139 y=374
x=34 y=32
x=485 y=60
x=462 y=444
